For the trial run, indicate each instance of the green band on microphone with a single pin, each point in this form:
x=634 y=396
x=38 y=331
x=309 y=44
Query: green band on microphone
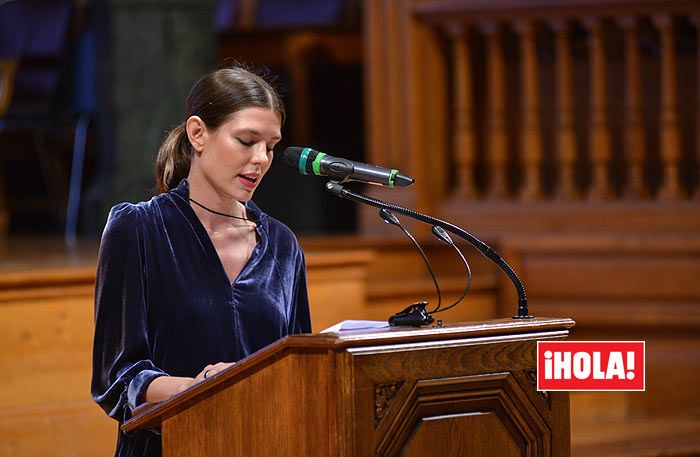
x=317 y=163
x=302 y=160
x=392 y=177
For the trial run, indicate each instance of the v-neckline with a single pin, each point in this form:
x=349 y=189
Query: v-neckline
x=204 y=235
x=221 y=262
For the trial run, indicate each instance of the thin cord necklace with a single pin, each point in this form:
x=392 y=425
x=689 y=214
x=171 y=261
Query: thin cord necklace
x=223 y=214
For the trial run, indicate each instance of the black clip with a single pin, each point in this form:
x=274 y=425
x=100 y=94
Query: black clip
x=415 y=316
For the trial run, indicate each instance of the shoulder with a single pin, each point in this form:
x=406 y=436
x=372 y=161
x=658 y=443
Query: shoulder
x=281 y=239
x=282 y=236
x=280 y=230
x=128 y=216
x=122 y=217
x=127 y=219
x=274 y=228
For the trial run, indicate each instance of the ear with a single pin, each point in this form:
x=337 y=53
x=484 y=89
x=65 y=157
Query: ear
x=196 y=132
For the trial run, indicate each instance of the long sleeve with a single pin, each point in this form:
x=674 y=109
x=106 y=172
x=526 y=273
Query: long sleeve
x=122 y=365
x=300 y=321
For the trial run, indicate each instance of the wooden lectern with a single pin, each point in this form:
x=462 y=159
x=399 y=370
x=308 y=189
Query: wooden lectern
x=459 y=390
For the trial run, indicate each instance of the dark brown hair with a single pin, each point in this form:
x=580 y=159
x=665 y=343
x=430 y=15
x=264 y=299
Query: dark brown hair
x=214 y=98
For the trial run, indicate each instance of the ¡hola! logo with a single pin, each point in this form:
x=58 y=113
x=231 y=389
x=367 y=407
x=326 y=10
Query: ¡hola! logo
x=590 y=365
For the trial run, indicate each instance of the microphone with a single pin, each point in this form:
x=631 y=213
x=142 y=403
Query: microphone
x=310 y=162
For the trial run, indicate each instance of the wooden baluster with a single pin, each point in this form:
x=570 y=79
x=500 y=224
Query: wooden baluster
x=635 y=147
x=247 y=14
x=696 y=21
x=530 y=134
x=599 y=143
x=670 y=139
x=497 y=147
x=463 y=107
x=565 y=140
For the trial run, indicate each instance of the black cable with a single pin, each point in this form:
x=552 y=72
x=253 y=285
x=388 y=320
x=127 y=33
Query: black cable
x=224 y=214
x=442 y=235
x=390 y=218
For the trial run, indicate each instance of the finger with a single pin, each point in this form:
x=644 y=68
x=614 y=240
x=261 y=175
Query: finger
x=205 y=373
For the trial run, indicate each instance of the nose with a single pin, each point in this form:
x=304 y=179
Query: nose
x=260 y=155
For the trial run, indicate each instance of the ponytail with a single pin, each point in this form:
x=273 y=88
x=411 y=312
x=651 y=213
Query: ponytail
x=173 y=161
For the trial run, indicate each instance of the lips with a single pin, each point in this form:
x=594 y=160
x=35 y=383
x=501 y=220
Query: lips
x=249 y=180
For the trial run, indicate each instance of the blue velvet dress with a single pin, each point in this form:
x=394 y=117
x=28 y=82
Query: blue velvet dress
x=164 y=305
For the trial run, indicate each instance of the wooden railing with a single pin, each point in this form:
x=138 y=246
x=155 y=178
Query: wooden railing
x=574 y=103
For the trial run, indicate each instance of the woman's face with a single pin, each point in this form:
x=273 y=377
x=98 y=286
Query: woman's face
x=236 y=156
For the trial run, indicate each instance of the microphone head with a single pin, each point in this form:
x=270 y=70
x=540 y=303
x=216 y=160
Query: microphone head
x=291 y=157
x=401 y=180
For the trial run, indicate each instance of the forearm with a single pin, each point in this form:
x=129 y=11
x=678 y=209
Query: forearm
x=164 y=387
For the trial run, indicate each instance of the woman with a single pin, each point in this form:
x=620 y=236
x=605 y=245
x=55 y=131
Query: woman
x=198 y=277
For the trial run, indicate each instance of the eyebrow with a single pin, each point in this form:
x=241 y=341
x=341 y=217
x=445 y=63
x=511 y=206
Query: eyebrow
x=256 y=133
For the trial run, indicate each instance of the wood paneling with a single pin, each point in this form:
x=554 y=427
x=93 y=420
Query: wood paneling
x=628 y=287
x=337 y=284
x=282 y=424
x=475 y=434
x=46 y=365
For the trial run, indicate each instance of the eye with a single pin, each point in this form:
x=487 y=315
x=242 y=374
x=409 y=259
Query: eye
x=246 y=143
x=270 y=151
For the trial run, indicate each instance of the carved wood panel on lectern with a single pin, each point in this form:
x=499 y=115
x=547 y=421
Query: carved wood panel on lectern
x=455 y=394
x=432 y=415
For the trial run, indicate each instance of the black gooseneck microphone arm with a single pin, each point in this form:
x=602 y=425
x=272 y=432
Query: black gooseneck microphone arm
x=339 y=191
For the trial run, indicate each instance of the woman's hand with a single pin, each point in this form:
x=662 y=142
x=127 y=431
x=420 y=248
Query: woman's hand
x=211 y=370
x=165 y=387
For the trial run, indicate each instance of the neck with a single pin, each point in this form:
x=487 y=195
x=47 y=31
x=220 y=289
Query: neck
x=211 y=201
x=218 y=213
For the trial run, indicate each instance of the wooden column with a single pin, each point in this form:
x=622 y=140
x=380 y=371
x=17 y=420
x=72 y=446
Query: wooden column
x=530 y=134
x=4 y=213
x=247 y=13
x=696 y=21
x=635 y=147
x=670 y=136
x=8 y=68
x=464 y=136
x=497 y=146
x=297 y=50
x=565 y=138
x=599 y=142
